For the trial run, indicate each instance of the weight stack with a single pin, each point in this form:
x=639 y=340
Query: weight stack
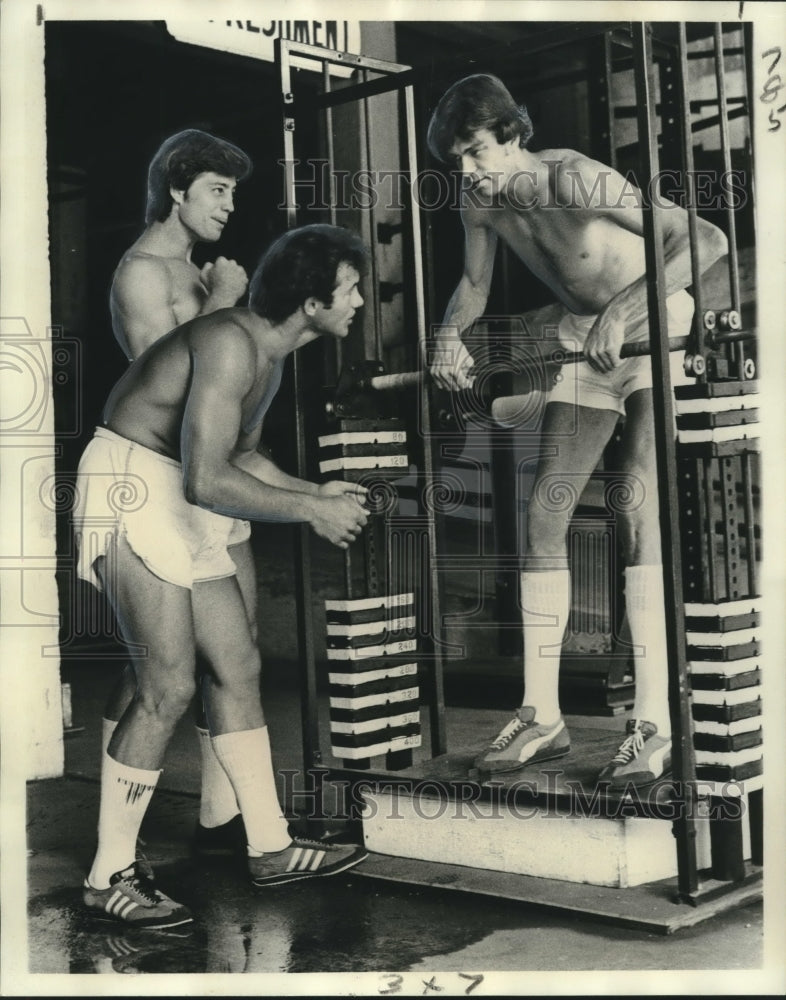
x=718 y=459
x=373 y=682
x=374 y=694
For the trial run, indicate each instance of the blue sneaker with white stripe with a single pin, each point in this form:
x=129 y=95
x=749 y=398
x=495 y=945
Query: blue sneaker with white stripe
x=132 y=899
x=304 y=859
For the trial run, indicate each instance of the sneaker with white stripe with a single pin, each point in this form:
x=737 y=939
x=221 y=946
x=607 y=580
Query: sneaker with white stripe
x=643 y=757
x=304 y=859
x=524 y=741
x=132 y=899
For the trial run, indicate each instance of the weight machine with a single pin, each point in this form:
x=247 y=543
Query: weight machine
x=384 y=648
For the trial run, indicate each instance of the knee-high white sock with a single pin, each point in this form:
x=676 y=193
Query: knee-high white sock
x=545 y=599
x=108 y=726
x=644 y=603
x=218 y=803
x=125 y=796
x=246 y=758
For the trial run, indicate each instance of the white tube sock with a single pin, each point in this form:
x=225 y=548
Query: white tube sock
x=545 y=598
x=108 y=726
x=246 y=758
x=217 y=803
x=125 y=796
x=645 y=605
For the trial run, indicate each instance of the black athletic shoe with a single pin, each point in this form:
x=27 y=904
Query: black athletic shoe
x=215 y=841
x=132 y=898
x=304 y=859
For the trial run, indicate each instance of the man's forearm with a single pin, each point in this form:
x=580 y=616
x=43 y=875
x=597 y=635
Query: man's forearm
x=261 y=468
x=466 y=305
x=236 y=492
x=630 y=305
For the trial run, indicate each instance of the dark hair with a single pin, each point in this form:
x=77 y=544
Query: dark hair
x=479 y=101
x=180 y=160
x=300 y=264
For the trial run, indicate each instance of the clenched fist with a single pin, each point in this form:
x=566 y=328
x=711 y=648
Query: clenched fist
x=225 y=281
x=338 y=514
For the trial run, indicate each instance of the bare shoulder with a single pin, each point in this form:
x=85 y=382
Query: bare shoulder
x=138 y=271
x=578 y=180
x=224 y=342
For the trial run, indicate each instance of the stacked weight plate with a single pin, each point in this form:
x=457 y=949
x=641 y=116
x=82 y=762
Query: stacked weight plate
x=371 y=644
x=718 y=446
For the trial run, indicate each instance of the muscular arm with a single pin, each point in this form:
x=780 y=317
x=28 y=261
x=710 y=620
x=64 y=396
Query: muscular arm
x=619 y=202
x=142 y=299
x=141 y=304
x=237 y=482
x=247 y=458
x=451 y=361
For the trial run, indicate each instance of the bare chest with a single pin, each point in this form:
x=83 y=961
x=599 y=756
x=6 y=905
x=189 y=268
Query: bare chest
x=584 y=260
x=187 y=292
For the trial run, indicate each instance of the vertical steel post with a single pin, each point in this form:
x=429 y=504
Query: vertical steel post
x=684 y=761
x=369 y=224
x=338 y=345
x=437 y=699
x=737 y=351
x=683 y=99
x=312 y=755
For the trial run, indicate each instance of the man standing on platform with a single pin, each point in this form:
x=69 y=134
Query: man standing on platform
x=577 y=225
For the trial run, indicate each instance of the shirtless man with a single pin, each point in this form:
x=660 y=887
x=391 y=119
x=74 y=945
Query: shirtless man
x=577 y=225
x=156 y=286
x=181 y=433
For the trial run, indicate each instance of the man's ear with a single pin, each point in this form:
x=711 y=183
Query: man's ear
x=311 y=305
x=178 y=197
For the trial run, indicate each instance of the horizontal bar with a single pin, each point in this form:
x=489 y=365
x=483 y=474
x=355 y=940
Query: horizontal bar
x=319 y=54
x=544 y=42
x=708 y=53
x=629 y=110
x=557 y=355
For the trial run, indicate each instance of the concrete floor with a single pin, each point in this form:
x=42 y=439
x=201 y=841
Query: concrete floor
x=347 y=924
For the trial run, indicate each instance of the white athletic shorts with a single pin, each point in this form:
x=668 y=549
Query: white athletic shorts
x=126 y=489
x=580 y=385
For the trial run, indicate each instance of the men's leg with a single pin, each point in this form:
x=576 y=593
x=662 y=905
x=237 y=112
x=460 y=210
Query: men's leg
x=157 y=616
x=219 y=830
x=242 y=744
x=645 y=754
x=572 y=442
x=231 y=691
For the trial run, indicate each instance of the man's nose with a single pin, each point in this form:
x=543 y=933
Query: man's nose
x=229 y=203
x=358 y=299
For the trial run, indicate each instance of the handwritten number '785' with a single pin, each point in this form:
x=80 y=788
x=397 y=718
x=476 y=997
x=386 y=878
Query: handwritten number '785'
x=772 y=88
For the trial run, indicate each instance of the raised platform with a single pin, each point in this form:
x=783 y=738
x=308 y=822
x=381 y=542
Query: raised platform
x=550 y=822
x=649 y=907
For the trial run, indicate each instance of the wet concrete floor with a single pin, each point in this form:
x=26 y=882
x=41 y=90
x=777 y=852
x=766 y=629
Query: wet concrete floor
x=348 y=923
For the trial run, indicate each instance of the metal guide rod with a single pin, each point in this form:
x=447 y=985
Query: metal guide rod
x=684 y=758
x=370 y=220
x=737 y=354
x=312 y=755
x=437 y=700
x=556 y=355
x=723 y=112
x=337 y=344
x=683 y=104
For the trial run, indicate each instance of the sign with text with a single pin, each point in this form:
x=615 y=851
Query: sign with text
x=257 y=38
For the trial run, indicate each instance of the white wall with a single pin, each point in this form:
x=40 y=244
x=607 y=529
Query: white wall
x=29 y=659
